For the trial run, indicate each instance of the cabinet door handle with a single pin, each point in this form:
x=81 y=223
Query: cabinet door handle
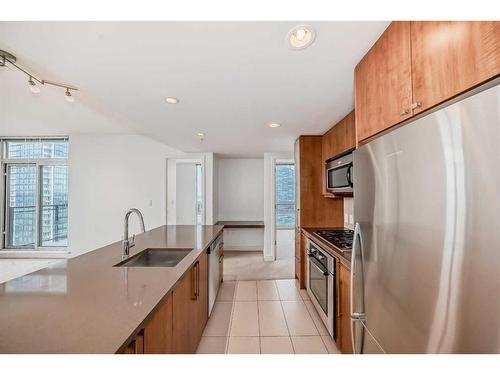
x=416 y=105
x=404 y=112
x=194 y=282
x=197 y=280
x=340 y=298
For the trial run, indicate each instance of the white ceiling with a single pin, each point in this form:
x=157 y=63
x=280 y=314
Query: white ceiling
x=232 y=79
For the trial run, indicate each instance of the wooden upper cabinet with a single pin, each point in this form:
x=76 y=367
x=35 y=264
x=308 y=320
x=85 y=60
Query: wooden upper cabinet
x=451 y=57
x=340 y=138
x=383 y=90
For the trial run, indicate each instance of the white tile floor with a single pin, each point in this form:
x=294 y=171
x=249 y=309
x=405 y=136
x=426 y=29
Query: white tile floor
x=264 y=317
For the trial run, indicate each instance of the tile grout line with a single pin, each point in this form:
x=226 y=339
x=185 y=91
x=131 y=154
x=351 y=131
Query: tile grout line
x=231 y=318
x=258 y=314
x=284 y=317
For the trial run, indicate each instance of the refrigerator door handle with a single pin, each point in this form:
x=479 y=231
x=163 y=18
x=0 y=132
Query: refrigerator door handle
x=359 y=315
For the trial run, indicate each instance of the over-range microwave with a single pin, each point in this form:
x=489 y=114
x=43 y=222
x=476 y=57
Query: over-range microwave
x=338 y=175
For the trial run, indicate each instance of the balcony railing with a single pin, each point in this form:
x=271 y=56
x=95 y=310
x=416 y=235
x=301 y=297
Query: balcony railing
x=22 y=224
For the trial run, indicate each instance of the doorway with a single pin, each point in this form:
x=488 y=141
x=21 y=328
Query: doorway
x=189 y=203
x=284 y=213
x=187 y=190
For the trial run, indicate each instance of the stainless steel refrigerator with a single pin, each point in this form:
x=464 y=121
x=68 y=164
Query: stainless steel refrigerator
x=426 y=252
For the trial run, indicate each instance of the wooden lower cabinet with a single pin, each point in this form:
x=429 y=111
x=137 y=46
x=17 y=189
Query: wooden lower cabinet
x=202 y=298
x=178 y=322
x=300 y=257
x=158 y=329
x=344 y=331
x=190 y=308
x=136 y=346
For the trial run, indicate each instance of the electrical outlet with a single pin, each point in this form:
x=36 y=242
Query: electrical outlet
x=351 y=219
x=346 y=218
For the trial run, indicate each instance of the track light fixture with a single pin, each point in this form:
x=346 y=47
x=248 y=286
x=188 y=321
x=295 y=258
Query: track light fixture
x=6 y=57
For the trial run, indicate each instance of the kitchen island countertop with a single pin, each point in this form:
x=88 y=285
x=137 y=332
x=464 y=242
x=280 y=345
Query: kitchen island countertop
x=85 y=304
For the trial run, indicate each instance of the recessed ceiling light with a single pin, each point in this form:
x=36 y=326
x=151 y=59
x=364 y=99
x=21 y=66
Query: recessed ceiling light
x=200 y=134
x=171 y=100
x=274 y=125
x=301 y=36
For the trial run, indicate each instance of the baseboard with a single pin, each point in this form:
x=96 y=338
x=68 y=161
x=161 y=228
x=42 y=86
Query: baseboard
x=268 y=258
x=242 y=248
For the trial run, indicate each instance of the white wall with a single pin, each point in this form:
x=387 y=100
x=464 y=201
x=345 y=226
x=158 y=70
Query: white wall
x=241 y=192
x=240 y=196
x=186 y=194
x=349 y=213
x=108 y=175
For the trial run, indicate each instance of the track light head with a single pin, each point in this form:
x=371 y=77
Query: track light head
x=33 y=87
x=69 y=98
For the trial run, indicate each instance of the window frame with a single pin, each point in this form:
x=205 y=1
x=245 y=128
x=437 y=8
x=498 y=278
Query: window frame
x=39 y=163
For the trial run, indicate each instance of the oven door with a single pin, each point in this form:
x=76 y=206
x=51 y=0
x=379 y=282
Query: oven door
x=318 y=283
x=321 y=287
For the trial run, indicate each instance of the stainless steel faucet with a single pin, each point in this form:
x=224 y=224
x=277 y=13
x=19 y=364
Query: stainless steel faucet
x=130 y=242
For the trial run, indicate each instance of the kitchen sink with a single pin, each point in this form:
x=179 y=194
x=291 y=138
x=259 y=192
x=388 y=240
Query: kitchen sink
x=155 y=258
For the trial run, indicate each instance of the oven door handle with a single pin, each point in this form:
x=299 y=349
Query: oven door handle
x=318 y=265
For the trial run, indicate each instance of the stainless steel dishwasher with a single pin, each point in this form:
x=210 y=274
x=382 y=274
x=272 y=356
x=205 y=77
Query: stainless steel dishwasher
x=214 y=253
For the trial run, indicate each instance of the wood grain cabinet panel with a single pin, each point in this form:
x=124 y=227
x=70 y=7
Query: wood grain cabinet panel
x=313 y=208
x=450 y=57
x=344 y=335
x=340 y=138
x=158 y=329
x=202 y=297
x=185 y=314
x=383 y=89
x=136 y=346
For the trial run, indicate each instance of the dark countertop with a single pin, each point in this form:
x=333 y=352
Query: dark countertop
x=241 y=224
x=345 y=257
x=84 y=304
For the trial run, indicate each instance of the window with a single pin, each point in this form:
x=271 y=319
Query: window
x=285 y=196
x=35 y=193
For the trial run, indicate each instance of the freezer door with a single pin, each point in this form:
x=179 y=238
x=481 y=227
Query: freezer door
x=427 y=201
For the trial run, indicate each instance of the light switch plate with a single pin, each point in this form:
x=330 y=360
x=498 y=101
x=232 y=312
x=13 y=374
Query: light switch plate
x=351 y=219
x=346 y=218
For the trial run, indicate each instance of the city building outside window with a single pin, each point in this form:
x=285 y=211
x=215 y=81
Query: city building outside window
x=285 y=196
x=35 y=194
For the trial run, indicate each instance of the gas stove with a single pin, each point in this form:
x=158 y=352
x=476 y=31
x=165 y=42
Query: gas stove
x=340 y=238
